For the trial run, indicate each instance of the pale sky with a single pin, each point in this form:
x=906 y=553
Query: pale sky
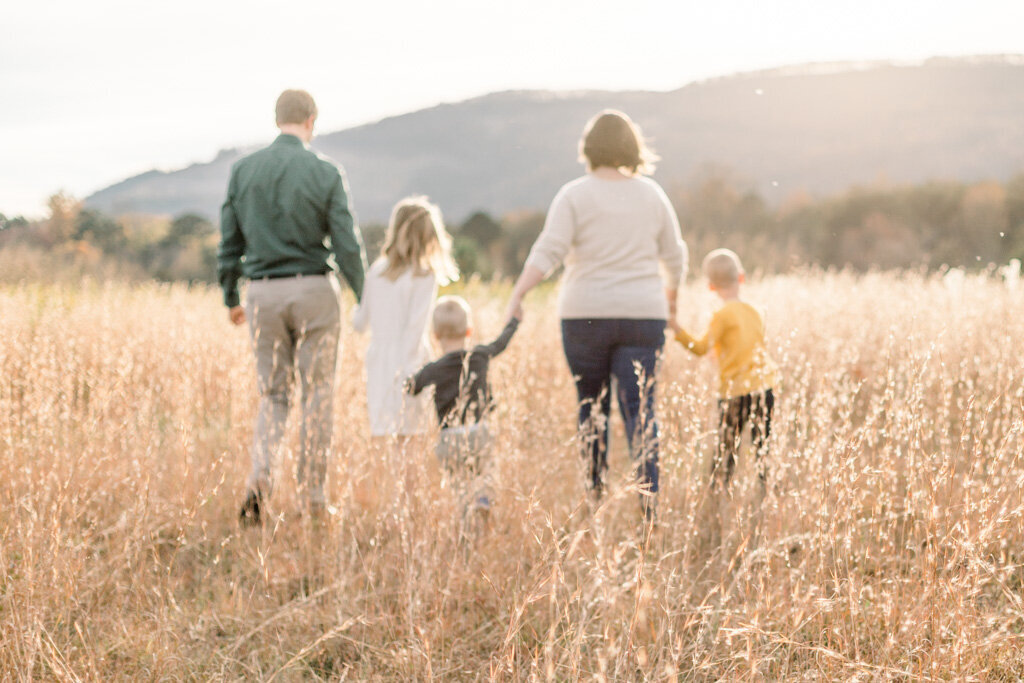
x=94 y=91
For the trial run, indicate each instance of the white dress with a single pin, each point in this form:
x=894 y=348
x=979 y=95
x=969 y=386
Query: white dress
x=397 y=313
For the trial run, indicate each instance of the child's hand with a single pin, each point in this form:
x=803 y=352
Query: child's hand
x=674 y=325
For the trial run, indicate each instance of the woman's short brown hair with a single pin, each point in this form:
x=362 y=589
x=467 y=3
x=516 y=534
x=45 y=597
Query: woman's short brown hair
x=294 y=106
x=612 y=139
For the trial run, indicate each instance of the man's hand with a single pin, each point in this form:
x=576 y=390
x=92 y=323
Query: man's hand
x=236 y=314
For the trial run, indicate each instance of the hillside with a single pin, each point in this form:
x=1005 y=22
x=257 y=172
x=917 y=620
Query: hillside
x=819 y=128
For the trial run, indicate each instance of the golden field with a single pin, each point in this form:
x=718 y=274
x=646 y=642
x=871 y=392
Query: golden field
x=890 y=544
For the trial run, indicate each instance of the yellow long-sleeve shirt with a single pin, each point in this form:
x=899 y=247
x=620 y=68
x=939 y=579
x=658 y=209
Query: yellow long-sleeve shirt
x=736 y=336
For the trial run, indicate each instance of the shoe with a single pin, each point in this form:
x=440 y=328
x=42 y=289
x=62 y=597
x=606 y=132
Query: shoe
x=320 y=512
x=250 y=512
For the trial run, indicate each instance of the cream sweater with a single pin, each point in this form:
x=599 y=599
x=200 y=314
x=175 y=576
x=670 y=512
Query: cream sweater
x=611 y=235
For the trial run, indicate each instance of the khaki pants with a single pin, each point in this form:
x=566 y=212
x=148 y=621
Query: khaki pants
x=295 y=323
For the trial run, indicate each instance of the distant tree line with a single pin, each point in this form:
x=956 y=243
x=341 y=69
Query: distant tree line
x=930 y=225
x=136 y=246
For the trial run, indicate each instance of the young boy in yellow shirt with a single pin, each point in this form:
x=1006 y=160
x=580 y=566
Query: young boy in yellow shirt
x=746 y=373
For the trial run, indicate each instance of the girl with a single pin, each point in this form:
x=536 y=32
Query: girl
x=397 y=301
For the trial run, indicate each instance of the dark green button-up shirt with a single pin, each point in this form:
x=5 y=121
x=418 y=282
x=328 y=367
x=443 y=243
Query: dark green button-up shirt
x=286 y=211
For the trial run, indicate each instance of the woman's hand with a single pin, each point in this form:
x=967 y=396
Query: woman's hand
x=671 y=295
x=528 y=279
x=514 y=309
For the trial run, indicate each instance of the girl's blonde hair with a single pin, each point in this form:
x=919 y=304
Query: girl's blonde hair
x=417 y=239
x=612 y=139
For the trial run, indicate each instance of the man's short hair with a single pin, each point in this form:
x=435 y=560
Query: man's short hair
x=722 y=267
x=295 y=106
x=451 y=317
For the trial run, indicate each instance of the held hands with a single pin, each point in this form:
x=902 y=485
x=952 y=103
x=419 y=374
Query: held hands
x=528 y=279
x=236 y=314
x=671 y=296
x=514 y=310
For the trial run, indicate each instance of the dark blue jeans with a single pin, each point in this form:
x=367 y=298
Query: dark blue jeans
x=628 y=350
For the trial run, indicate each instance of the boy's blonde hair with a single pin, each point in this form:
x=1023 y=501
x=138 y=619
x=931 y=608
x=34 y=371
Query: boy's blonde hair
x=722 y=267
x=452 y=316
x=612 y=139
x=417 y=239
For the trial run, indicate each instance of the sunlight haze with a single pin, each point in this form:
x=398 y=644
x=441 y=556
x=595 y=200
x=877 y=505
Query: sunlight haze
x=96 y=92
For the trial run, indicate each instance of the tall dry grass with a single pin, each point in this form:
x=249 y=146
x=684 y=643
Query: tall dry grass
x=889 y=545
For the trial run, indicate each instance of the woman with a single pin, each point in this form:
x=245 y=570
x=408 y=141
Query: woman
x=612 y=228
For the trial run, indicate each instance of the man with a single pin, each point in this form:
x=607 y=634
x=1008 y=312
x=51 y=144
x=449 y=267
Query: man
x=285 y=205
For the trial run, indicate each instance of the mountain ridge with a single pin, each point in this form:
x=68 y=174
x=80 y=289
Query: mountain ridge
x=803 y=128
